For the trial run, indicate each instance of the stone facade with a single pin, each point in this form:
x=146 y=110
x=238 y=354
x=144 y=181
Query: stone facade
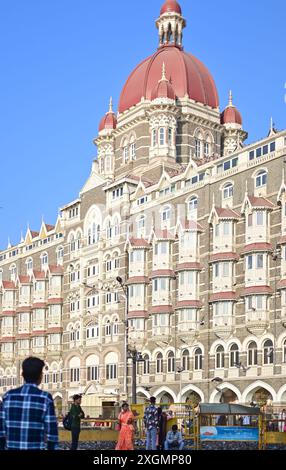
x=194 y=224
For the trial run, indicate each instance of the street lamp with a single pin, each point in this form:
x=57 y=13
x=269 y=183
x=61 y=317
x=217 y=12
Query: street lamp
x=125 y=289
x=276 y=255
x=136 y=357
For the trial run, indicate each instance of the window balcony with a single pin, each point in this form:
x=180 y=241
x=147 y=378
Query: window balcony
x=7 y=331
x=39 y=349
x=223 y=325
x=257 y=321
x=161 y=332
x=24 y=300
x=38 y=326
x=54 y=347
x=7 y=356
x=55 y=321
x=23 y=328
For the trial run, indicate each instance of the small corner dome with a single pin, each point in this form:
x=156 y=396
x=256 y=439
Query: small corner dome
x=171 y=6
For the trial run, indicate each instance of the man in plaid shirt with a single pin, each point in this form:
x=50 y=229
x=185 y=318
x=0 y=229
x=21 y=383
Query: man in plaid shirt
x=27 y=414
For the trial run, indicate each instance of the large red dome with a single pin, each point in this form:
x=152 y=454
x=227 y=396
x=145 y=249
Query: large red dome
x=187 y=74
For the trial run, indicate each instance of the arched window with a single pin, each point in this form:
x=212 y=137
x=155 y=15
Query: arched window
x=166 y=214
x=132 y=149
x=207 y=146
x=186 y=360
x=154 y=138
x=159 y=363
x=170 y=136
x=261 y=179
x=171 y=362
x=111 y=365
x=193 y=208
x=29 y=264
x=146 y=365
x=93 y=233
x=107 y=328
x=162 y=136
x=108 y=166
x=116 y=227
x=234 y=355
x=125 y=154
x=115 y=327
x=268 y=352
x=228 y=191
x=198 y=359
x=198 y=145
x=72 y=243
x=252 y=354
x=92 y=366
x=108 y=230
x=141 y=226
x=60 y=255
x=219 y=357
x=284 y=351
x=44 y=260
x=74 y=366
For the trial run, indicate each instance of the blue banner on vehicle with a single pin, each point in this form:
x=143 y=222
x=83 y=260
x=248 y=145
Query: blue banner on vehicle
x=228 y=433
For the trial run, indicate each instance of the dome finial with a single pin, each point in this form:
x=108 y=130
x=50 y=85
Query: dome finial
x=110 y=105
x=230 y=98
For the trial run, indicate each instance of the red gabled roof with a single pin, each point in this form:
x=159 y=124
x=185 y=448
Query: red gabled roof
x=138 y=280
x=49 y=228
x=257 y=290
x=162 y=309
x=162 y=273
x=255 y=247
x=55 y=301
x=139 y=243
x=24 y=280
x=138 y=314
x=260 y=202
x=231 y=256
x=34 y=234
x=282 y=284
x=56 y=269
x=39 y=275
x=226 y=213
x=223 y=296
x=191 y=225
x=164 y=235
x=189 y=304
x=189 y=267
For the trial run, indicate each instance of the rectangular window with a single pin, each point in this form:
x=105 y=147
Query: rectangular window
x=226 y=228
x=251 y=155
x=259 y=302
x=225 y=269
x=265 y=150
x=111 y=371
x=258 y=152
x=217 y=230
x=216 y=269
x=250 y=262
x=272 y=146
x=260 y=218
x=259 y=261
x=250 y=220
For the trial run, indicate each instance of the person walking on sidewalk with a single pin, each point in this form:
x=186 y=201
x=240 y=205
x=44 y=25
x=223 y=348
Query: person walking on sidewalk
x=27 y=414
x=77 y=414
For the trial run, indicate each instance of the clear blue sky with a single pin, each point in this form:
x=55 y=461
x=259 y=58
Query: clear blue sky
x=62 y=59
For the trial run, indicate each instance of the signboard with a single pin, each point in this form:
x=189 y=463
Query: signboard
x=229 y=433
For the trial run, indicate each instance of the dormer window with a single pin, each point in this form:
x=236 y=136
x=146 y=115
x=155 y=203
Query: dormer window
x=29 y=264
x=198 y=146
x=261 y=179
x=44 y=260
x=228 y=191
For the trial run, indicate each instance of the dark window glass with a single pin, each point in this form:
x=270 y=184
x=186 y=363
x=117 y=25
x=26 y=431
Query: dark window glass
x=251 y=155
x=272 y=146
x=258 y=152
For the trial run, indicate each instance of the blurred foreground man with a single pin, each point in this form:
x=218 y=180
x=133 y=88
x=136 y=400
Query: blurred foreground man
x=27 y=414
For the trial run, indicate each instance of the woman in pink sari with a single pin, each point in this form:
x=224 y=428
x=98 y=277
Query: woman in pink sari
x=126 y=434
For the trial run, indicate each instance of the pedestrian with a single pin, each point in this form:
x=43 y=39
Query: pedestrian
x=174 y=439
x=151 y=424
x=126 y=425
x=282 y=420
x=77 y=414
x=27 y=414
x=162 y=431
